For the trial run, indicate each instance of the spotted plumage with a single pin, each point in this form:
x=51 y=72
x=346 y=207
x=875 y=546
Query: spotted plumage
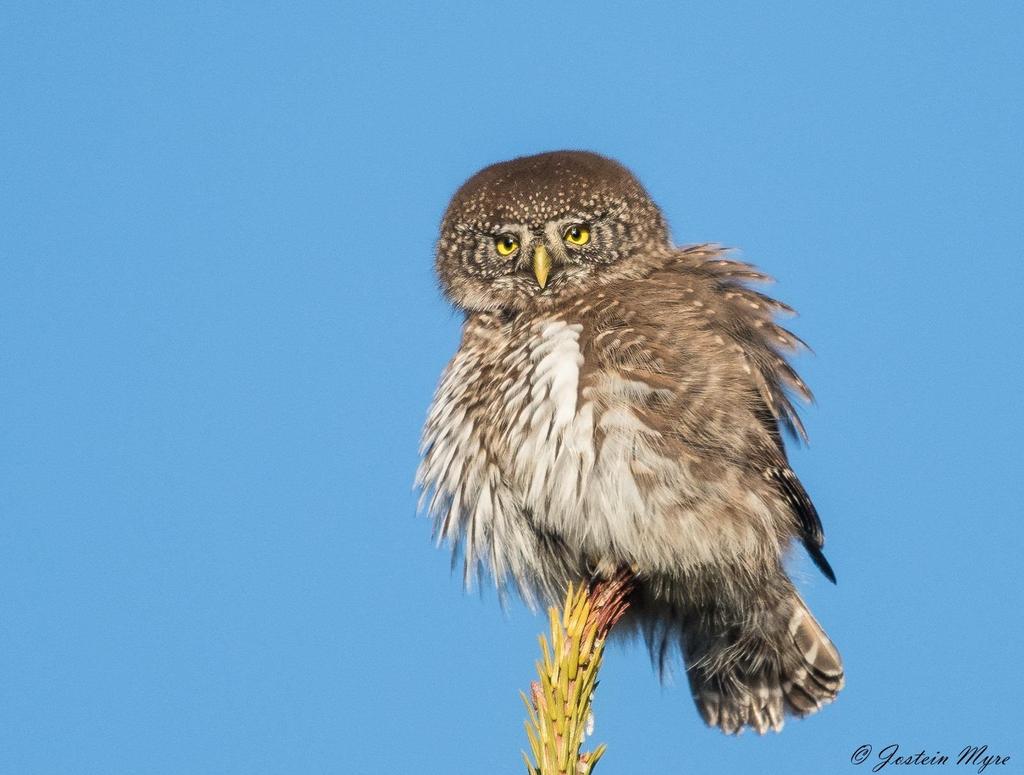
x=616 y=402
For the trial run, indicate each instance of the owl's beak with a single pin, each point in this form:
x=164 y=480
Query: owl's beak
x=541 y=265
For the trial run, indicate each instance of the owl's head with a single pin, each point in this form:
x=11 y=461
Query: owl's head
x=529 y=232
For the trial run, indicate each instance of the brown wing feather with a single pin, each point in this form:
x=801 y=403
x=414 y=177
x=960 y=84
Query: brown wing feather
x=749 y=319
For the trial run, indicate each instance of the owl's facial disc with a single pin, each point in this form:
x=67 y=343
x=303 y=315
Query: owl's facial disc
x=534 y=231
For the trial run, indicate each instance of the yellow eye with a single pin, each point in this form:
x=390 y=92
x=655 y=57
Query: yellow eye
x=506 y=245
x=577 y=235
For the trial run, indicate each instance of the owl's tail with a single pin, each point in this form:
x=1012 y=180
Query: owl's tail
x=751 y=674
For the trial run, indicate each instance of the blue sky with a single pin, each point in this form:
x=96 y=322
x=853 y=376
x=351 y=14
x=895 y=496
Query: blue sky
x=219 y=334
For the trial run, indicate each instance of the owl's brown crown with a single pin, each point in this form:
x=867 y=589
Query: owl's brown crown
x=534 y=189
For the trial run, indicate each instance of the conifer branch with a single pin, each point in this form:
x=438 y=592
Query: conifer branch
x=559 y=705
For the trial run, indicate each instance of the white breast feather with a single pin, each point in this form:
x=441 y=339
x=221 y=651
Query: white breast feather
x=547 y=472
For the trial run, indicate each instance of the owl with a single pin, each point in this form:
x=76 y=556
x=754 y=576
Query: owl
x=618 y=403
